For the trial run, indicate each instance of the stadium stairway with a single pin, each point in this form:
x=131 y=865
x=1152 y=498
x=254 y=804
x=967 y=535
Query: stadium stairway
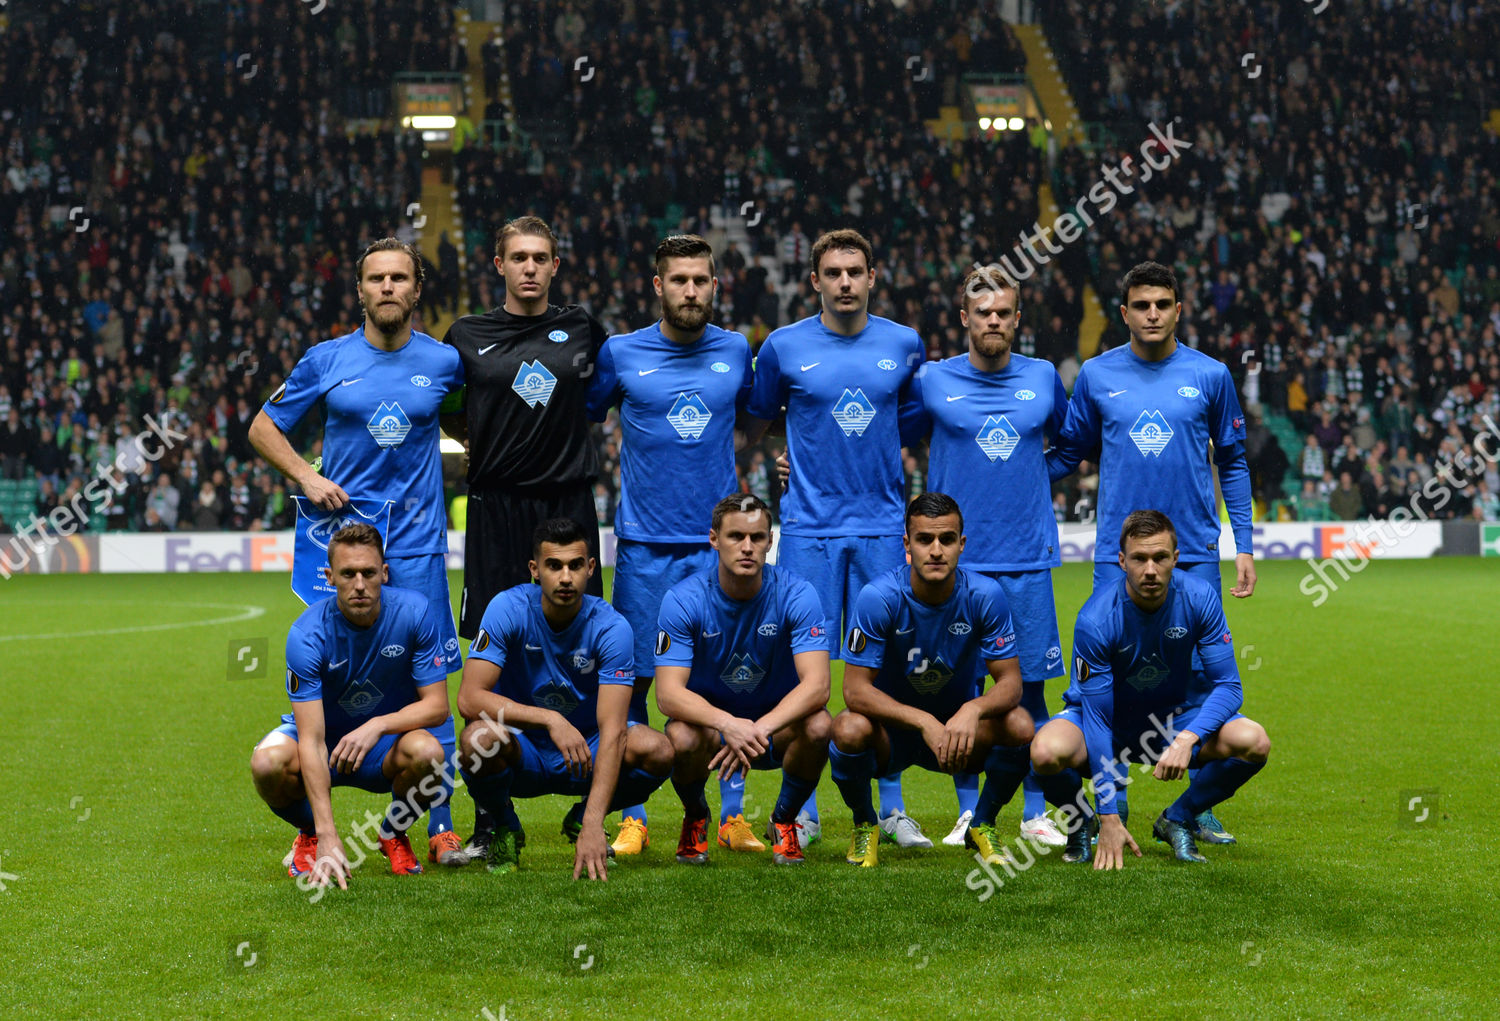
x=1067 y=129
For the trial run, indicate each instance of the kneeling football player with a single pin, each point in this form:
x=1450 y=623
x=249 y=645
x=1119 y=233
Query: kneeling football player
x=366 y=673
x=921 y=640
x=742 y=675
x=1134 y=685
x=545 y=699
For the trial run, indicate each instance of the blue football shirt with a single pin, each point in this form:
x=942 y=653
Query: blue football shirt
x=677 y=411
x=930 y=657
x=842 y=397
x=557 y=670
x=364 y=672
x=740 y=652
x=380 y=435
x=988 y=450
x=1129 y=665
x=1150 y=424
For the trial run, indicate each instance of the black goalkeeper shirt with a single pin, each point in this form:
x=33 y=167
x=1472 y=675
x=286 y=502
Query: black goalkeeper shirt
x=527 y=381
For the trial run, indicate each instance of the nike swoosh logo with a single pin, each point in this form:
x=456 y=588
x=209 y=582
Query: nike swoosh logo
x=716 y=634
x=958 y=398
x=647 y=372
x=488 y=348
x=533 y=648
x=1116 y=393
x=906 y=632
x=349 y=382
x=814 y=365
x=1126 y=651
x=335 y=666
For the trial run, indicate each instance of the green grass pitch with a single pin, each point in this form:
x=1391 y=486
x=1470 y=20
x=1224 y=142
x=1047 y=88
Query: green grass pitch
x=137 y=860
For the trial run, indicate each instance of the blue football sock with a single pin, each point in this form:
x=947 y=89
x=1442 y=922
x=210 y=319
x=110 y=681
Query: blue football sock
x=890 y=795
x=1216 y=782
x=810 y=809
x=1066 y=788
x=633 y=788
x=966 y=786
x=440 y=812
x=731 y=797
x=852 y=775
x=299 y=814
x=693 y=801
x=492 y=793
x=1033 y=801
x=1004 y=770
x=634 y=812
x=794 y=794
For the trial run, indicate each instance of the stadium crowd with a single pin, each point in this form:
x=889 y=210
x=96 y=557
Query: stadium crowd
x=183 y=200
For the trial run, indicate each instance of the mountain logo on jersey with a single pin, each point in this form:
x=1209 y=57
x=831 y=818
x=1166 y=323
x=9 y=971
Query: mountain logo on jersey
x=534 y=384
x=742 y=674
x=389 y=425
x=720 y=366
x=583 y=662
x=559 y=698
x=768 y=629
x=1149 y=674
x=930 y=680
x=689 y=415
x=392 y=651
x=1151 y=433
x=359 y=698
x=421 y=381
x=1188 y=391
x=1024 y=395
x=558 y=336
x=853 y=412
x=887 y=364
x=1176 y=632
x=997 y=437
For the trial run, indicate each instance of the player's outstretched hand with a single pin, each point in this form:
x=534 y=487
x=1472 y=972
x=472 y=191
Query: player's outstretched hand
x=959 y=735
x=325 y=494
x=331 y=863
x=575 y=750
x=1244 y=576
x=783 y=469
x=1113 y=839
x=591 y=854
x=729 y=762
x=352 y=748
x=1174 y=761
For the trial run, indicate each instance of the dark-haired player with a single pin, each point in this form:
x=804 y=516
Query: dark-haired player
x=1134 y=652
x=366 y=674
x=524 y=415
x=922 y=638
x=840 y=375
x=556 y=663
x=680 y=384
x=381 y=388
x=742 y=673
x=1149 y=412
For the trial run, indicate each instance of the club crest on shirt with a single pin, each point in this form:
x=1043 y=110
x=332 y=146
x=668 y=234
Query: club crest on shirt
x=557 y=697
x=888 y=364
x=1151 y=433
x=768 y=629
x=997 y=437
x=1025 y=395
x=742 y=674
x=534 y=384
x=1188 y=391
x=720 y=366
x=933 y=679
x=1176 y=632
x=689 y=416
x=389 y=425
x=1148 y=675
x=558 y=336
x=582 y=661
x=853 y=412
x=359 y=698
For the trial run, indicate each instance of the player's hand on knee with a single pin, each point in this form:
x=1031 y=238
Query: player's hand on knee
x=591 y=855
x=959 y=735
x=324 y=493
x=331 y=863
x=1174 y=761
x=748 y=738
x=575 y=750
x=349 y=754
x=1113 y=839
x=728 y=762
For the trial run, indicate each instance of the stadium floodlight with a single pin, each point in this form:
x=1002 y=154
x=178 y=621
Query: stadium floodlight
x=430 y=122
x=1017 y=124
x=984 y=124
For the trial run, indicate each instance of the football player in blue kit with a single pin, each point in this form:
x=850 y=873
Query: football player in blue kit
x=742 y=675
x=988 y=416
x=367 y=678
x=1147 y=412
x=381 y=388
x=556 y=665
x=680 y=384
x=923 y=635
x=841 y=375
x=1133 y=687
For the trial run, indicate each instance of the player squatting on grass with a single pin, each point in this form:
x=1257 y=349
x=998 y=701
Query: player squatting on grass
x=403 y=812
x=989 y=881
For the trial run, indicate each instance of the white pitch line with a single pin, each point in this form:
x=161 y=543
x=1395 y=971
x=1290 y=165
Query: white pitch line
x=247 y=613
